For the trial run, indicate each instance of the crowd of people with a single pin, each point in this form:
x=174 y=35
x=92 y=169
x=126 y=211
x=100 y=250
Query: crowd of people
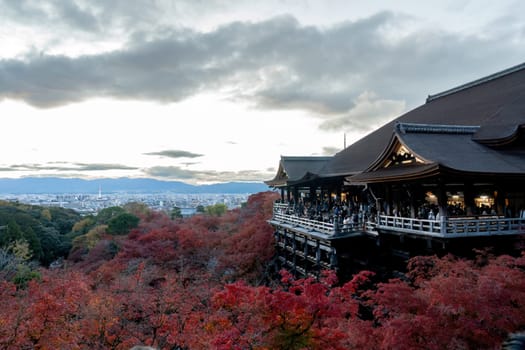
x=350 y=213
x=341 y=212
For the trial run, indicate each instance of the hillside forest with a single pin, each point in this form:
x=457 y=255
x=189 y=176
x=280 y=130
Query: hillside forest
x=132 y=276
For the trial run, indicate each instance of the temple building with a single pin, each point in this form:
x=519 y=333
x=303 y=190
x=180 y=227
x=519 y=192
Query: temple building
x=447 y=176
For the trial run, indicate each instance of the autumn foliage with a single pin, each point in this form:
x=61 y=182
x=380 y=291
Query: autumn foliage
x=206 y=283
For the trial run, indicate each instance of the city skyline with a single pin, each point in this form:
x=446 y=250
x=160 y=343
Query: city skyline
x=205 y=92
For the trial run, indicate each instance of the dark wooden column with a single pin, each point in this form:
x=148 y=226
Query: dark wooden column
x=330 y=201
x=442 y=199
x=412 y=200
x=388 y=200
x=312 y=195
x=468 y=194
x=499 y=200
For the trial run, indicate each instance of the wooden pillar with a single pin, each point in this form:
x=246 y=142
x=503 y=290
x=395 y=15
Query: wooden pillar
x=312 y=195
x=333 y=258
x=442 y=199
x=388 y=200
x=379 y=207
x=288 y=194
x=336 y=226
x=294 y=256
x=468 y=194
x=499 y=200
x=442 y=204
x=282 y=194
x=318 y=254
x=296 y=195
x=305 y=248
x=412 y=194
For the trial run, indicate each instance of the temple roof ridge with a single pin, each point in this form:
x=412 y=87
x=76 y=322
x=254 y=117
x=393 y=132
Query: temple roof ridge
x=306 y=157
x=435 y=128
x=476 y=82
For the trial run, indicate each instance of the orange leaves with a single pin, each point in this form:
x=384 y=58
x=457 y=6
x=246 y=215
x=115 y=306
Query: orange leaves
x=165 y=288
x=303 y=314
x=452 y=303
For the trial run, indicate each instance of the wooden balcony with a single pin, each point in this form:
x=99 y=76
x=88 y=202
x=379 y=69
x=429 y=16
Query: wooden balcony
x=282 y=215
x=451 y=227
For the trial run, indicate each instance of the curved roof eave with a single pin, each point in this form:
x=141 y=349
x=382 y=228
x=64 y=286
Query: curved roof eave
x=494 y=100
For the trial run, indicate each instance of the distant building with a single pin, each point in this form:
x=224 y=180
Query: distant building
x=448 y=176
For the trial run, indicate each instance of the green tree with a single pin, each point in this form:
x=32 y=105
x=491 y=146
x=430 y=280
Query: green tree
x=83 y=226
x=46 y=230
x=54 y=245
x=216 y=210
x=11 y=232
x=200 y=209
x=25 y=274
x=34 y=242
x=106 y=214
x=175 y=213
x=137 y=208
x=63 y=219
x=46 y=214
x=20 y=249
x=22 y=255
x=122 y=224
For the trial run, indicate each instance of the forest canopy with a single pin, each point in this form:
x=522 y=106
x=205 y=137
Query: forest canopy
x=210 y=282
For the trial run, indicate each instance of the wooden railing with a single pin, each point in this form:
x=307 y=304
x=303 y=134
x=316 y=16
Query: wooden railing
x=409 y=225
x=283 y=213
x=320 y=226
x=484 y=226
x=444 y=227
x=454 y=227
x=281 y=207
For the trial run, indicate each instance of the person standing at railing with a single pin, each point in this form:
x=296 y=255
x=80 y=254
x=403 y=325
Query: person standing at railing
x=336 y=224
x=355 y=219
x=347 y=223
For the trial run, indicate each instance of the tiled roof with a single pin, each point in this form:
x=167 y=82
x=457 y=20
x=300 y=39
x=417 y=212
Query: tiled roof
x=495 y=104
x=295 y=168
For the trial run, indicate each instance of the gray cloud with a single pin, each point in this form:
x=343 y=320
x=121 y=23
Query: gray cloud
x=64 y=166
x=351 y=76
x=330 y=151
x=102 y=166
x=79 y=15
x=368 y=112
x=189 y=163
x=177 y=173
x=172 y=172
x=174 y=154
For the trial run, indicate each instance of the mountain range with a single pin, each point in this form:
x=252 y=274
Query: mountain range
x=36 y=185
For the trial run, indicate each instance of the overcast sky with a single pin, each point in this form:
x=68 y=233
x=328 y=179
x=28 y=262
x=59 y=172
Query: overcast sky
x=217 y=90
